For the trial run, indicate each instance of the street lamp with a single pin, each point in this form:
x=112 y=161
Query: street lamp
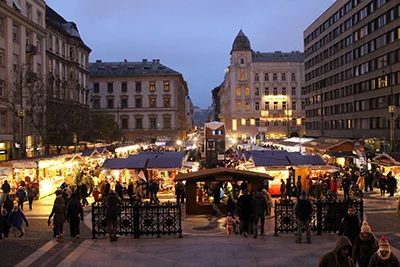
x=21 y=111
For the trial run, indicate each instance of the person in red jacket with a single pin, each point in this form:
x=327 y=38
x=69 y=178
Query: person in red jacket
x=334 y=188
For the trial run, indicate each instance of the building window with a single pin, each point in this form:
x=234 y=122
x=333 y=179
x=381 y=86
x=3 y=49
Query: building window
x=293 y=91
x=29 y=11
x=1 y=88
x=241 y=61
x=294 y=106
x=256 y=78
x=110 y=103
x=124 y=122
x=152 y=86
x=266 y=105
x=283 y=77
x=284 y=123
x=266 y=91
x=124 y=103
x=247 y=91
x=15 y=33
x=139 y=124
x=238 y=106
x=138 y=87
x=275 y=91
x=3 y=118
x=1 y=57
x=257 y=91
x=167 y=123
x=284 y=91
x=166 y=86
x=167 y=102
x=257 y=105
x=138 y=102
x=258 y=122
x=152 y=102
x=96 y=103
x=293 y=76
x=242 y=77
x=1 y=25
x=124 y=87
x=275 y=77
x=153 y=123
x=284 y=106
x=39 y=18
x=267 y=124
x=275 y=105
x=293 y=122
x=275 y=123
x=266 y=77
x=96 y=88
x=38 y=46
x=238 y=92
x=110 y=87
x=247 y=106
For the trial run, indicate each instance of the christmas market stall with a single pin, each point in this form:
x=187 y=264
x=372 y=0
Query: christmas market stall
x=387 y=162
x=199 y=185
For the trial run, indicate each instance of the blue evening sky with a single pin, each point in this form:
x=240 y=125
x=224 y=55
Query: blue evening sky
x=193 y=37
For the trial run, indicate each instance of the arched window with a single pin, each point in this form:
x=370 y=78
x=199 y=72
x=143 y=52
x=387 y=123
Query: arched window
x=266 y=78
x=283 y=77
x=293 y=76
x=242 y=77
x=256 y=78
x=275 y=77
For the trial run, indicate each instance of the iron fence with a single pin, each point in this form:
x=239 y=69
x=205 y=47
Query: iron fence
x=326 y=215
x=140 y=218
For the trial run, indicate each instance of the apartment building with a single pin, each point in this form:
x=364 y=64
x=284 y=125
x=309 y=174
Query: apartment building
x=261 y=95
x=148 y=99
x=352 y=64
x=22 y=53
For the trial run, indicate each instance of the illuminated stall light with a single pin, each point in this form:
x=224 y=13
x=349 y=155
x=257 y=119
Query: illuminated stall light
x=252 y=121
x=243 y=121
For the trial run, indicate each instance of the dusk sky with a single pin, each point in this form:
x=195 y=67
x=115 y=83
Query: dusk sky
x=193 y=37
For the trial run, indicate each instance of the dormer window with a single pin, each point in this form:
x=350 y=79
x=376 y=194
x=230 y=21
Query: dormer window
x=114 y=68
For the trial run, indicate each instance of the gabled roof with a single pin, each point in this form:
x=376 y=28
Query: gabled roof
x=164 y=163
x=324 y=143
x=124 y=69
x=116 y=164
x=94 y=151
x=387 y=159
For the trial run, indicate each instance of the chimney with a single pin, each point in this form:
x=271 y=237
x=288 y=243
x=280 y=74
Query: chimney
x=154 y=60
x=144 y=60
x=125 y=60
x=158 y=61
x=98 y=61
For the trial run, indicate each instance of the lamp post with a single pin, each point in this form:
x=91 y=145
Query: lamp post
x=391 y=107
x=21 y=111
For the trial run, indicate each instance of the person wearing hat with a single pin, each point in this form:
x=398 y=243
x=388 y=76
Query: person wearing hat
x=350 y=224
x=384 y=256
x=339 y=256
x=303 y=210
x=365 y=245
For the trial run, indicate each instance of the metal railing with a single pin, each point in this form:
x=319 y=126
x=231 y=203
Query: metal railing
x=139 y=218
x=326 y=215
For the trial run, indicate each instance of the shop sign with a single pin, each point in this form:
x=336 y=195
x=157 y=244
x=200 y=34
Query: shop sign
x=163 y=138
x=224 y=178
x=3 y=152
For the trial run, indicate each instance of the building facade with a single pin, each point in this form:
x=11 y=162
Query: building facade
x=22 y=53
x=262 y=93
x=216 y=103
x=148 y=99
x=352 y=64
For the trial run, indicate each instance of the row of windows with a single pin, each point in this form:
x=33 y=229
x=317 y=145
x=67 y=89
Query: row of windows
x=275 y=77
x=257 y=122
x=372 y=65
x=359 y=34
x=124 y=87
x=152 y=123
x=270 y=105
x=275 y=91
x=354 y=124
x=138 y=102
x=359 y=16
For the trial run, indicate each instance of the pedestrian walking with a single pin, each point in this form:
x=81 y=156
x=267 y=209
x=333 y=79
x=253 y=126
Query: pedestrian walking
x=31 y=195
x=260 y=207
x=244 y=211
x=153 y=188
x=84 y=194
x=391 y=184
x=118 y=189
x=96 y=194
x=6 y=189
x=4 y=227
x=382 y=185
x=130 y=190
x=334 y=188
x=113 y=202
x=303 y=211
x=217 y=199
x=180 y=192
x=360 y=184
x=365 y=245
x=59 y=212
x=15 y=220
x=339 y=256
x=21 y=195
x=384 y=256
x=268 y=197
x=350 y=224
x=283 y=189
x=74 y=216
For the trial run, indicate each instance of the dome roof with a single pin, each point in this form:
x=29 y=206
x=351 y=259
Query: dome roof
x=241 y=42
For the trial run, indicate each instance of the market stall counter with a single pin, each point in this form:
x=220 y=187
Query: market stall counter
x=198 y=183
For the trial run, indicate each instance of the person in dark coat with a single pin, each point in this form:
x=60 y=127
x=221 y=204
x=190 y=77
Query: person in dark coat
x=346 y=186
x=244 y=211
x=369 y=181
x=180 y=192
x=350 y=225
x=59 y=217
x=364 y=246
x=118 y=189
x=106 y=190
x=303 y=211
x=339 y=256
x=4 y=229
x=391 y=184
x=31 y=195
x=15 y=220
x=113 y=202
x=217 y=199
x=74 y=216
x=382 y=185
x=384 y=256
x=6 y=189
x=260 y=207
x=21 y=195
x=130 y=190
x=84 y=194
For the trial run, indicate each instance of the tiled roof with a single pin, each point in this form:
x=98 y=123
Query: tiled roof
x=278 y=56
x=68 y=26
x=123 y=69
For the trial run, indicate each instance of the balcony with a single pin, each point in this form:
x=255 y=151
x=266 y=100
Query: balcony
x=273 y=114
x=242 y=82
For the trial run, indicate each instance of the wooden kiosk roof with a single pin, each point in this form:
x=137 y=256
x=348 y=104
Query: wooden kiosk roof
x=222 y=174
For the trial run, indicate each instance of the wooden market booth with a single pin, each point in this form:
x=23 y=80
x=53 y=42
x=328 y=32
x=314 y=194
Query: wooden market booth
x=221 y=174
x=389 y=162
